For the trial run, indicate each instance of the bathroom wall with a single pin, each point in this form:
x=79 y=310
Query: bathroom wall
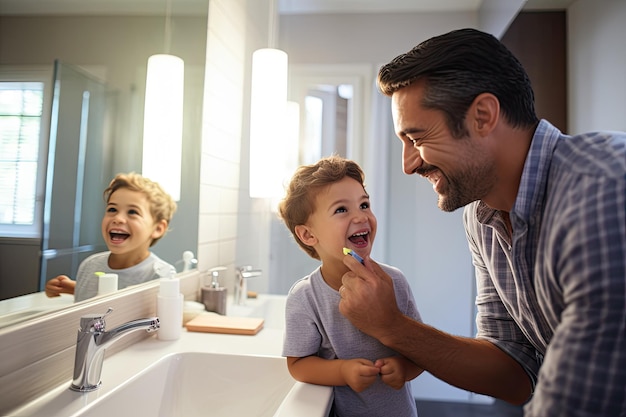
x=233 y=228
x=596 y=62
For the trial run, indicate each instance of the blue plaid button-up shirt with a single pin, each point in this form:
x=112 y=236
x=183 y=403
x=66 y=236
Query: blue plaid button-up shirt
x=553 y=294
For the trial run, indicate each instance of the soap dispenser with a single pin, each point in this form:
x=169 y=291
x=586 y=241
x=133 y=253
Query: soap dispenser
x=214 y=296
x=169 y=305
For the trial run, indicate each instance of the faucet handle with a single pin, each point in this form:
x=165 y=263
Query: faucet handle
x=94 y=321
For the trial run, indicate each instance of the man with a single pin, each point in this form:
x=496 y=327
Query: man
x=545 y=218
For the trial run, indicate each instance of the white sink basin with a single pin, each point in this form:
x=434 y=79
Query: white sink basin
x=200 y=384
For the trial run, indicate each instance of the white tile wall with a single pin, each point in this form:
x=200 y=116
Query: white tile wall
x=227 y=215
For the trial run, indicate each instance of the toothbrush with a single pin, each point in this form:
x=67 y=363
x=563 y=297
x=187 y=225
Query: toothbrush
x=352 y=253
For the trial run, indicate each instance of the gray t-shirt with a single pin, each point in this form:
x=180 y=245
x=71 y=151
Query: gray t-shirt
x=314 y=326
x=87 y=281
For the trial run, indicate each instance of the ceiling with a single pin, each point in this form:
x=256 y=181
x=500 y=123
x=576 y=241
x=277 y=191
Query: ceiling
x=195 y=7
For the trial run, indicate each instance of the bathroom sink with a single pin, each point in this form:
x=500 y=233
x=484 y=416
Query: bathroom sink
x=201 y=374
x=200 y=384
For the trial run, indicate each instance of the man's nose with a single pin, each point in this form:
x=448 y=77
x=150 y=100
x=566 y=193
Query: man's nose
x=411 y=159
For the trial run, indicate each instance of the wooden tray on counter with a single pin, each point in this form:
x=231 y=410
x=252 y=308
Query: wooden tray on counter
x=215 y=323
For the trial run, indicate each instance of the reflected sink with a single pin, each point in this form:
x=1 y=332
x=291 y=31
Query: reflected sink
x=200 y=384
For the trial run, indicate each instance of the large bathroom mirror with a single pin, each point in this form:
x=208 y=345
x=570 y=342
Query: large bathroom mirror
x=95 y=134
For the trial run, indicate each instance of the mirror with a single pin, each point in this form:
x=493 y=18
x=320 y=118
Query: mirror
x=116 y=58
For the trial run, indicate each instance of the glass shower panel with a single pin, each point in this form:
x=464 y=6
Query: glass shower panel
x=79 y=168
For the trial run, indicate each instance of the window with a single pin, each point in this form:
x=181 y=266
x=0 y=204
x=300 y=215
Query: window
x=22 y=153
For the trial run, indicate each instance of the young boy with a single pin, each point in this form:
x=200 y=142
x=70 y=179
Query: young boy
x=326 y=209
x=137 y=215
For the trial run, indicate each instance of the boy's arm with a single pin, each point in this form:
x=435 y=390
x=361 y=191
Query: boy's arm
x=358 y=374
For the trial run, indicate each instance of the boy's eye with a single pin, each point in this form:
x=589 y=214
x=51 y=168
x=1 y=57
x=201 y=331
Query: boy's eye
x=341 y=210
x=111 y=209
x=133 y=212
x=365 y=205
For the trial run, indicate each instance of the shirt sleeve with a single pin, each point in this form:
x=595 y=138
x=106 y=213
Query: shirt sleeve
x=302 y=336
x=493 y=321
x=404 y=295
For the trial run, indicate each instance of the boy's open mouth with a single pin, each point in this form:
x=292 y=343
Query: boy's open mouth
x=359 y=239
x=118 y=236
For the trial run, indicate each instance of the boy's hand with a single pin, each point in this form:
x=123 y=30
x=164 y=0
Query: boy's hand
x=392 y=371
x=359 y=374
x=61 y=284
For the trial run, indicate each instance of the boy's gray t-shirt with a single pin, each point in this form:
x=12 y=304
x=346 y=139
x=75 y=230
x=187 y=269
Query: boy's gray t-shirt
x=87 y=281
x=314 y=326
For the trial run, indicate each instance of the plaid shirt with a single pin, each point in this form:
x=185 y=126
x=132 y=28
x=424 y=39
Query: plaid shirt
x=556 y=287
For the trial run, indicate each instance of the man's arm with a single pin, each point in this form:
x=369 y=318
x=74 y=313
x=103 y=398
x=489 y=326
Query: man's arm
x=368 y=301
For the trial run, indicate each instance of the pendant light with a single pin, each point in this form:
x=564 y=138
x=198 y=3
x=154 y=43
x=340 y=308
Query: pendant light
x=268 y=117
x=163 y=116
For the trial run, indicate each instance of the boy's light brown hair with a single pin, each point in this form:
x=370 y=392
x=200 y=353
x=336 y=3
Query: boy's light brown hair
x=308 y=180
x=162 y=205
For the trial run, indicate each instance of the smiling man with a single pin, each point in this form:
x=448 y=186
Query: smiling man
x=137 y=215
x=545 y=219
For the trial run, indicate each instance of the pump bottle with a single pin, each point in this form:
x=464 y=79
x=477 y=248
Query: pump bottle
x=170 y=307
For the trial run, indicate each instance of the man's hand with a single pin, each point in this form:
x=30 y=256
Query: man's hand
x=368 y=299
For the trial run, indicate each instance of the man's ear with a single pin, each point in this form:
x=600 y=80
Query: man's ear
x=160 y=229
x=484 y=113
x=304 y=234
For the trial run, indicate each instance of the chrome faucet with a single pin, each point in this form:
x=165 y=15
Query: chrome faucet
x=91 y=342
x=241 y=283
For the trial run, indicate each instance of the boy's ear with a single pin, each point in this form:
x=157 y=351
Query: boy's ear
x=160 y=229
x=304 y=234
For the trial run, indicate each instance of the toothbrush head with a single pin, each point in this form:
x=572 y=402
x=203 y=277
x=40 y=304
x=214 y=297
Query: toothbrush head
x=347 y=251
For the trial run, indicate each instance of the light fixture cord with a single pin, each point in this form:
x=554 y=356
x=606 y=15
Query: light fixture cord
x=271 y=41
x=168 y=26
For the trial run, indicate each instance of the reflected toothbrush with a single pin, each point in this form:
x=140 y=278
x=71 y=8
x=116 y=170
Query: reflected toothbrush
x=352 y=253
